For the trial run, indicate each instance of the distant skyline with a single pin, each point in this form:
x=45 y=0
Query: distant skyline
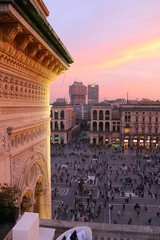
x=115 y=44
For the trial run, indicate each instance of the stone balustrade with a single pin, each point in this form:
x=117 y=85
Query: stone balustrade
x=103 y=231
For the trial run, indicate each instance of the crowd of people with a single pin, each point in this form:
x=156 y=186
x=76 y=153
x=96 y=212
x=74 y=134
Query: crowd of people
x=116 y=187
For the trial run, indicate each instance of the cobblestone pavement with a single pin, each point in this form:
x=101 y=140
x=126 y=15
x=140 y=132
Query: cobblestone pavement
x=96 y=184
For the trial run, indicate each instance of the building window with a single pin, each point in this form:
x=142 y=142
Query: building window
x=56 y=138
x=101 y=126
x=143 y=119
x=150 y=119
x=62 y=125
x=94 y=115
x=107 y=126
x=127 y=117
x=136 y=119
x=55 y=114
x=107 y=115
x=101 y=115
x=62 y=114
x=94 y=126
x=56 y=125
x=156 y=119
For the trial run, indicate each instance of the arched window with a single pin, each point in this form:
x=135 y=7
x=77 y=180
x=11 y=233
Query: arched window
x=55 y=114
x=62 y=114
x=94 y=114
x=62 y=125
x=94 y=126
x=56 y=125
x=101 y=115
x=101 y=126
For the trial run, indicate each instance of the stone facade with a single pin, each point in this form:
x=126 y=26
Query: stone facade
x=63 y=123
x=104 y=231
x=127 y=125
x=31 y=57
x=140 y=125
x=105 y=125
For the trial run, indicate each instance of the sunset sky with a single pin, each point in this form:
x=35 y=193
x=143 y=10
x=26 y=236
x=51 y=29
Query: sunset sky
x=114 y=43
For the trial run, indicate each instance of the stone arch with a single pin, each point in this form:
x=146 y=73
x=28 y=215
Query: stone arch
x=27 y=201
x=34 y=183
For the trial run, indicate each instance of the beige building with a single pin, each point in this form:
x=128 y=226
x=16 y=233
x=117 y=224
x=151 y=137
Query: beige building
x=105 y=125
x=31 y=57
x=127 y=125
x=63 y=123
x=140 y=124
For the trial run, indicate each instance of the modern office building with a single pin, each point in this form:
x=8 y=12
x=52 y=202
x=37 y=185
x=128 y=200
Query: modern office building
x=77 y=93
x=93 y=94
x=93 y=97
x=81 y=112
x=32 y=56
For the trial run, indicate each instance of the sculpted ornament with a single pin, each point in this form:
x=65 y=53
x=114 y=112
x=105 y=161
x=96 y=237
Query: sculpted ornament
x=10 y=31
x=20 y=89
x=4 y=143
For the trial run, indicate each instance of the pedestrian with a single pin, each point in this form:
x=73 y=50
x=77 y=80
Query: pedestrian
x=118 y=213
x=145 y=207
x=149 y=220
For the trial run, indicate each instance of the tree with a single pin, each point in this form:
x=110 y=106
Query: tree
x=9 y=198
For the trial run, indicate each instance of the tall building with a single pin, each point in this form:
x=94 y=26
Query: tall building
x=78 y=93
x=32 y=56
x=93 y=94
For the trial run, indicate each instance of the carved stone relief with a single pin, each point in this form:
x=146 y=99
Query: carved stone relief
x=4 y=143
x=27 y=162
x=20 y=89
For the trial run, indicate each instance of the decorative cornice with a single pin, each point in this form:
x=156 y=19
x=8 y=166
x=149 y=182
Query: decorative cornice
x=10 y=31
x=48 y=68
x=32 y=49
x=23 y=40
x=23 y=51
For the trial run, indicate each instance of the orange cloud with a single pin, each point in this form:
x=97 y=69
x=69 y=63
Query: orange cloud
x=146 y=51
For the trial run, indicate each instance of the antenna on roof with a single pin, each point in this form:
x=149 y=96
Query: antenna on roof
x=127 y=97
